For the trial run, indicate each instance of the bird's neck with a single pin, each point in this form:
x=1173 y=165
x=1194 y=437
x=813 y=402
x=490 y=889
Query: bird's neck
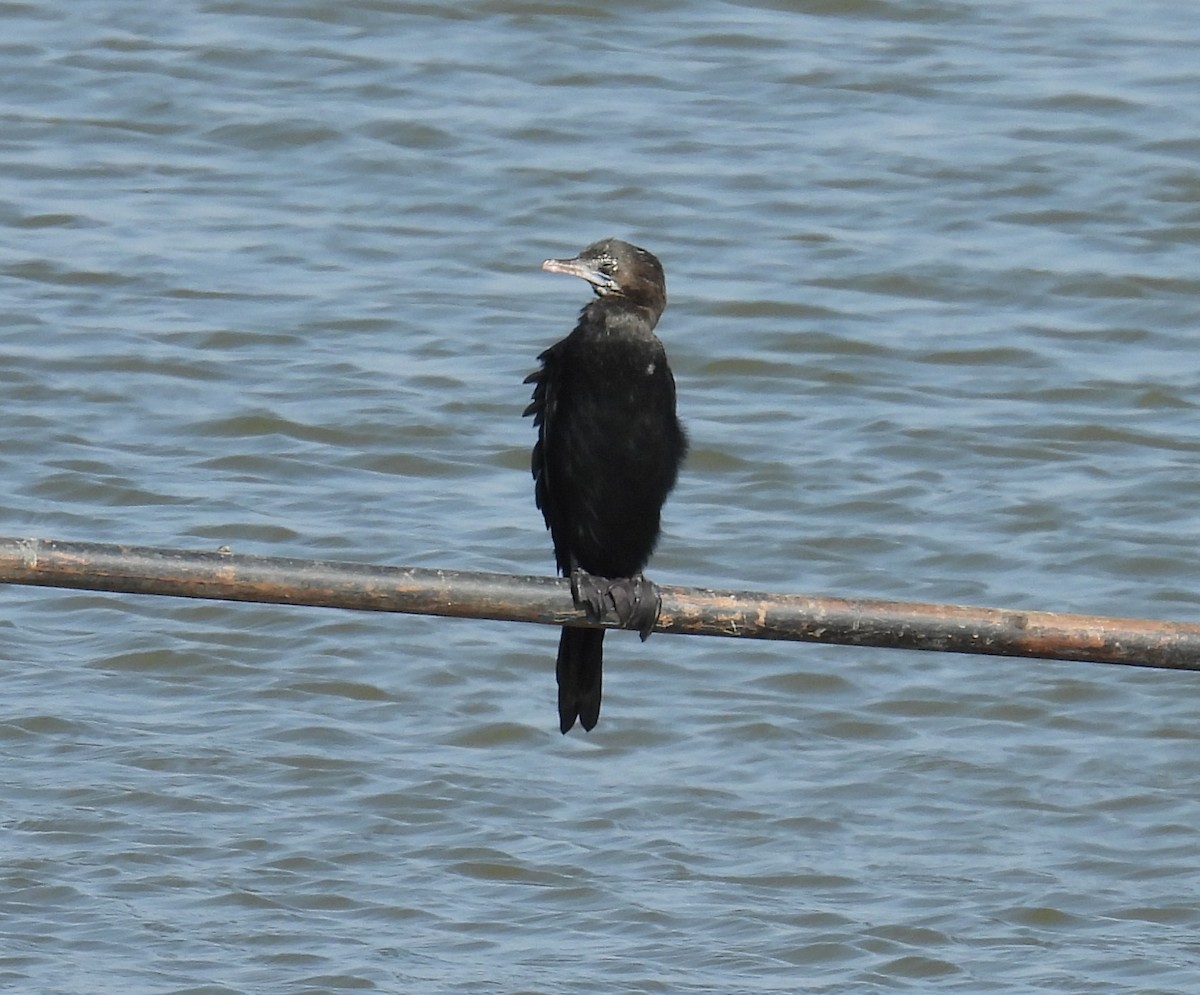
x=620 y=315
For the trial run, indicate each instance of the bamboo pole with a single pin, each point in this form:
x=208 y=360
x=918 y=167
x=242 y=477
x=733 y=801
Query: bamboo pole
x=225 y=576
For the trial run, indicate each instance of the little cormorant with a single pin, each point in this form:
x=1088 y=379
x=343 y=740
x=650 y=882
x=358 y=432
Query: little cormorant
x=608 y=451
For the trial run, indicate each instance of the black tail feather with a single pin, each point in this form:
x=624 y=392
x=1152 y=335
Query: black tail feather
x=580 y=659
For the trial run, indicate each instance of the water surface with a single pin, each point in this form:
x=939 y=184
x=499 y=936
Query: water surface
x=271 y=281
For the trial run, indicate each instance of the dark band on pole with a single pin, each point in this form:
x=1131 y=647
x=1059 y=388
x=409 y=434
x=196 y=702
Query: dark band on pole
x=225 y=576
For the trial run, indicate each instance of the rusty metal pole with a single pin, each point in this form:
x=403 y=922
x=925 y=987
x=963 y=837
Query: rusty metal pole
x=227 y=576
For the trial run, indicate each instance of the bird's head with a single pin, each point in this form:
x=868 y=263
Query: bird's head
x=617 y=269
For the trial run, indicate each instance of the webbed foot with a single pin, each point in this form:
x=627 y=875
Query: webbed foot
x=637 y=603
x=634 y=600
x=589 y=592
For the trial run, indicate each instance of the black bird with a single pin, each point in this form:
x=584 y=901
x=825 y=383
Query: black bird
x=608 y=452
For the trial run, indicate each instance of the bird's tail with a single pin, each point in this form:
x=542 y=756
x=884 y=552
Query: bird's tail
x=580 y=657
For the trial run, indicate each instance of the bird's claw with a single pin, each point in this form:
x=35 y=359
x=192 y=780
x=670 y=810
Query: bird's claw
x=637 y=603
x=588 y=594
x=634 y=600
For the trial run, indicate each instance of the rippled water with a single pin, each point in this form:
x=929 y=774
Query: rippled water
x=271 y=280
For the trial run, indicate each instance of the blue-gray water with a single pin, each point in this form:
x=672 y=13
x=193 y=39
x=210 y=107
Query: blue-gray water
x=270 y=279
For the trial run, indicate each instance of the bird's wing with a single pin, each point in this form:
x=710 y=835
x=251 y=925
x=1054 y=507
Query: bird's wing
x=543 y=408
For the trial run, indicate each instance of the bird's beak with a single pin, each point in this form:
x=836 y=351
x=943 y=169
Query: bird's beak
x=576 y=267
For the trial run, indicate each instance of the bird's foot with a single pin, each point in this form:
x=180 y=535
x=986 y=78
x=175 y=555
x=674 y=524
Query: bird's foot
x=637 y=603
x=588 y=593
x=634 y=600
